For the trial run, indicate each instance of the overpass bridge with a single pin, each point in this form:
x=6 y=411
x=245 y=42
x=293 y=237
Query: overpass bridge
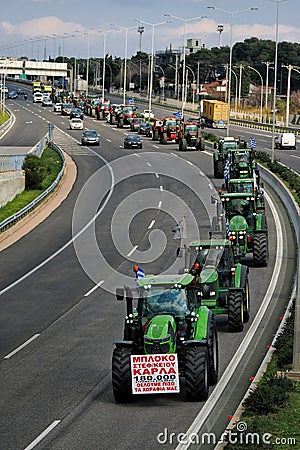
x=32 y=69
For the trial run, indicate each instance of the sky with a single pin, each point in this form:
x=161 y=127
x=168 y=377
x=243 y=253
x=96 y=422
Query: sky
x=36 y=28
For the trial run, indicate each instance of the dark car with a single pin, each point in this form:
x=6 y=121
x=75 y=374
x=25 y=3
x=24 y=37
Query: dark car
x=12 y=94
x=145 y=129
x=133 y=141
x=76 y=112
x=90 y=137
x=135 y=124
x=66 y=109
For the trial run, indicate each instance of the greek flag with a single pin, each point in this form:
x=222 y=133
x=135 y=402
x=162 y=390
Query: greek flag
x=227 y=227
x=140 y=273
x=227 y=169
x=252 y=142
x=178 y=114
x=131 y=101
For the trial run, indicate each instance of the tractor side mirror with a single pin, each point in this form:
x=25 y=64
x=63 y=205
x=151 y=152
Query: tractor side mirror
x=120 y=294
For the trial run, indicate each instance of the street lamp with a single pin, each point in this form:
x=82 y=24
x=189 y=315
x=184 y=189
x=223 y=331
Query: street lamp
x=153 y=25
x=194 y=80
x=104 y=57
x=232 y=13
x=86 y=33
x=118 y=27
x=184 y=47
x=261 y=90
x=163 y=84
x=267 y=63
x=275 y=79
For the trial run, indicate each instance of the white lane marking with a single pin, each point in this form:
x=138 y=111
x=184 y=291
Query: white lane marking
x=207 y=153
x=190 y=163
x=155 y=146
x=161 y=188
x=174 y=154
x=133 y=250
x=21 y=346
x=233 y=364
x=94 y=288
x=157 y=176
x=108 y=140
x=201 y=173
x=135 y=154
x=42 y=435
x=148 y=164
x=151 y=224
x=294 y=156
x=72 y=240
x=210 y=186
x=159 y=204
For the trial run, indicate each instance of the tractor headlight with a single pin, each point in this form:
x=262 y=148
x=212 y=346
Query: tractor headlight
x=212 y=293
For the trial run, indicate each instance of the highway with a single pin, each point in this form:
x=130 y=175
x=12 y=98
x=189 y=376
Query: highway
x=56 y=294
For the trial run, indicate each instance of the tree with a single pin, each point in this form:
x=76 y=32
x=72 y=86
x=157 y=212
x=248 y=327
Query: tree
x=34 y=172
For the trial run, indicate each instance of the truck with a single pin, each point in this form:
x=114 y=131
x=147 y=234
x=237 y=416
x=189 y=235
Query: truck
x=215 y=113
x=36 y=86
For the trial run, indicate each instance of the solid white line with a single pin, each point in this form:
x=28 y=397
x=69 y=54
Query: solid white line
x=108 y=140
x=233 y=364
x=133 y=250
x=190 y=163
x=210 y=186
x=42 y=435
x=157 y=176
x=207 y=153
x=21 y=346
x=155 y=146
x=135 y=154
x=151 y=224
x=148 y=164
x=94 y=288
x=294 y=156
x=174 y=154
x=201 y=173
x=161 y=188
x=159 y=204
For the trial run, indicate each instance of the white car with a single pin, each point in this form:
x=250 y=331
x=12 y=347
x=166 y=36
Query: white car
x=75 y=124
x=147 y=114
x=38 y=97
x=57 y=107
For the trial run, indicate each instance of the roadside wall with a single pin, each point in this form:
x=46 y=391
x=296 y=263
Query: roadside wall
x=11 y=184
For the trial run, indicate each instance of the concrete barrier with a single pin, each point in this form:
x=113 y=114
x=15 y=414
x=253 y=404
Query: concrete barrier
x=11 y=184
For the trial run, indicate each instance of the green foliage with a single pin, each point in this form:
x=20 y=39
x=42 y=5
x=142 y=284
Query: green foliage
x=270 y=395
x=210 y=137
x=284 y=344
x=34 y=172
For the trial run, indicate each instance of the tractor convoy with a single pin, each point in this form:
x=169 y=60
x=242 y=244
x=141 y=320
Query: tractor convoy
x=170 y=341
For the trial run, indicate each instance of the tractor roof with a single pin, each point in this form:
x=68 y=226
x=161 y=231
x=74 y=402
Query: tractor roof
x=166 y=280
x=210 y=243
x=233 y=195
x=241 y=180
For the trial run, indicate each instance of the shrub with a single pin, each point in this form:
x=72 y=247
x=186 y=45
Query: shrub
x=270 y=395
x=34 y=172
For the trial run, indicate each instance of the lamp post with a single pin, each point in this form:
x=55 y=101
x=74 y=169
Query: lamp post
x=104 y=57
x=275 y=79
x=194 y=80
x=184 y=47
x=176 y=79
x=261 y=90
x=163 y=84
x=267 y=63
x=232 y=14
x=153 y=25
x=118 y=27
x=86 y=33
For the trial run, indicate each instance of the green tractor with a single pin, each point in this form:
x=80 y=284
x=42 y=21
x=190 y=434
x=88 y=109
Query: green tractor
x=222 y=284
x=224 y=145
x=246 y=226
x=252 y=186
x=165 y=317
x=242 y=163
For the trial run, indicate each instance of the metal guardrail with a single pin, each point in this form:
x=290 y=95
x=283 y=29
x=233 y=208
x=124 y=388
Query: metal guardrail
x=24 y=211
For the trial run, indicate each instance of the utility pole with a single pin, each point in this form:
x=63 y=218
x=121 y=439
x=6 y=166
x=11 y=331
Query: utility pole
x=268 y=64
x=141 y=30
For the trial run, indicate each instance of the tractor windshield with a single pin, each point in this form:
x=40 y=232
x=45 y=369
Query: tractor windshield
x=240 y=206
x=164 y=301
x=191 y=129
x=229 y=145
x=128 y=110
x=247 y=187
x=241 y=158
x=171 y=123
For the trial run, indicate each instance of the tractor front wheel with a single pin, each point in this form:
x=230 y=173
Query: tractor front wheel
x=235 y=311
x=183 y=144
x=121 y=375
x=196 y=374
x=213 y=352
x=260 y=249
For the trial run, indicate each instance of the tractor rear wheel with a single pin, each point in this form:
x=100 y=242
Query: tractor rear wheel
x=121 y=375
x=260 y=249
x=196 y=374
x=218 y=169
x=235 y=311
x=213 y=353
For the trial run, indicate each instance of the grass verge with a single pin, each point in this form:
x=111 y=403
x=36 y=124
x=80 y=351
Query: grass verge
x=53 y=164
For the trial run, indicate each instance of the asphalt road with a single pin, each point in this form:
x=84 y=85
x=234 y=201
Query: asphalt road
x=62 y=378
